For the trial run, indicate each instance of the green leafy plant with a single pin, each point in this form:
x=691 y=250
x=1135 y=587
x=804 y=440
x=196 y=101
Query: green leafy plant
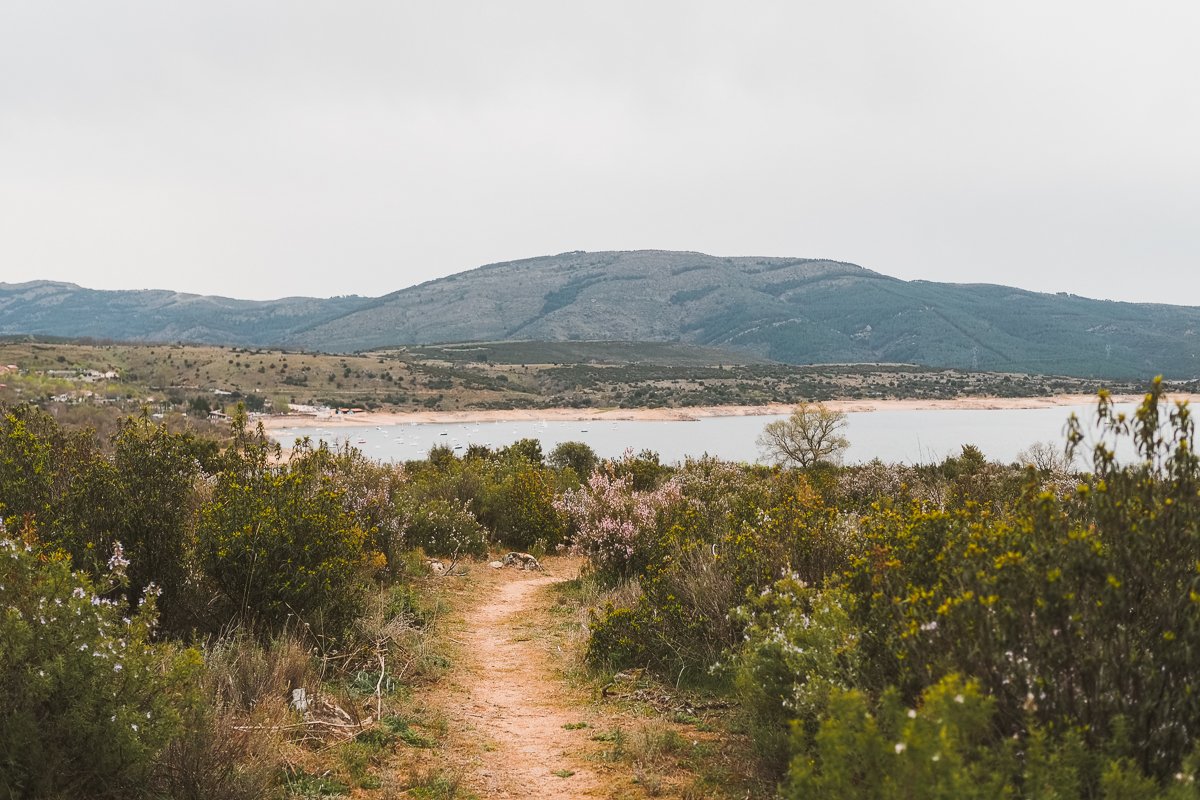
x=89 y=699
x=278 y=544
x=305 y=785
x=441 y=527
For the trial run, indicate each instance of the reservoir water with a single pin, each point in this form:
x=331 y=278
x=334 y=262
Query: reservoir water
x=905 y=436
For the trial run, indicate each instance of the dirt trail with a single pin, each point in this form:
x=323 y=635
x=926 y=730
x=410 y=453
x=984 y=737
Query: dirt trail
x=516 y=703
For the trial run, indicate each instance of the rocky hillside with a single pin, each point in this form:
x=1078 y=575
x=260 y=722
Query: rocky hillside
x=792 y=310
x=64 y=309
x=786 y=309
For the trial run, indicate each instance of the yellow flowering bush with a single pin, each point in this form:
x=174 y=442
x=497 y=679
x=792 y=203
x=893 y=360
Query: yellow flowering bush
x=280 y=544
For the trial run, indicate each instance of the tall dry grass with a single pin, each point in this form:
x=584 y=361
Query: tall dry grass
x=245 y=734
x=237 y=733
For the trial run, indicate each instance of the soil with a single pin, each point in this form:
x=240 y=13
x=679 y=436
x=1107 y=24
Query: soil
x=517 y=683
x=507 y=701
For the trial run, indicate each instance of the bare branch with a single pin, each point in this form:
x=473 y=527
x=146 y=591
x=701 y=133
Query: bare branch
x=811 y=434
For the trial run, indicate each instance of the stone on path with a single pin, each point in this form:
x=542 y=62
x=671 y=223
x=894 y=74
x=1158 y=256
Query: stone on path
x=520 y=561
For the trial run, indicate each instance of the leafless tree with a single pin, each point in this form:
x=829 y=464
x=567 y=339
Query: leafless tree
x=1045 y=457
x=811 y=434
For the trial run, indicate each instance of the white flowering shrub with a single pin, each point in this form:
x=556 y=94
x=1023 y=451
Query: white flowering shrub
x=867 y=483
x=799 y=647
x=442 y=527
x=87 y=700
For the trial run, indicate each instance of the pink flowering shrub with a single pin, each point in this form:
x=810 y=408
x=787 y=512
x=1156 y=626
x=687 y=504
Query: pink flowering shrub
x=373 y=495
x=610 y=517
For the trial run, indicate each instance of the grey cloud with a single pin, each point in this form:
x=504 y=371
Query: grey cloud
x=268 y=149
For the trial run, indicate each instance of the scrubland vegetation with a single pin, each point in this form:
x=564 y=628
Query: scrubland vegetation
x=68 y=380
x=959 y=630
x=186 y=618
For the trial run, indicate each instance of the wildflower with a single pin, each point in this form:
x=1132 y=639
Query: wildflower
x=118 y=562
x=912 y=714
x=117 y=668
x=900 y=746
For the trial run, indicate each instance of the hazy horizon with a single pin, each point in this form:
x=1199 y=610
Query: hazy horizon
x=401 y=288
x=278 y=149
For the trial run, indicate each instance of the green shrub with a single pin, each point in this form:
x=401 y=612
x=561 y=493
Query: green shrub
x=1084 y=612
x=945 y=748
x=727 y=539
x=87 y=701
x=936 y=751
x=526 y=514
x=39 y=466
x=372 y=492
x=576 y=456
x=279 y=544
x=644 y=471
x=142 y=496
x=445 y=528
x=799 y=648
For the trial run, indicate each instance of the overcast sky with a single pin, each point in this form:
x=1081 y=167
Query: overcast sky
x=266 y=149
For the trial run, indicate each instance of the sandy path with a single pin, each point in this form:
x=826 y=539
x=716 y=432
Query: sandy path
x=518 y=705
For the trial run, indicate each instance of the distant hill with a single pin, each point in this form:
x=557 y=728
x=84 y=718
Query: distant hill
x=791 y=310
x=67 y=310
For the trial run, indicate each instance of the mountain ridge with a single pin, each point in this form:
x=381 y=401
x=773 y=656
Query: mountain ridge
x=793 y=310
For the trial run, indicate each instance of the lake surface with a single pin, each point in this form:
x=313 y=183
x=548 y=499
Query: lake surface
x=889 y=435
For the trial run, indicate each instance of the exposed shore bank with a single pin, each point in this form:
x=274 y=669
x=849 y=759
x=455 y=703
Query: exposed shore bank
x=281 y=421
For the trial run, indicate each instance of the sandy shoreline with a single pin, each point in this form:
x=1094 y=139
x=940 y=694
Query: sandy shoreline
x=280 y=421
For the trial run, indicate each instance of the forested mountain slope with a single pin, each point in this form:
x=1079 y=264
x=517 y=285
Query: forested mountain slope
x=64 y=309
x=786 y=309
x=792 y=310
